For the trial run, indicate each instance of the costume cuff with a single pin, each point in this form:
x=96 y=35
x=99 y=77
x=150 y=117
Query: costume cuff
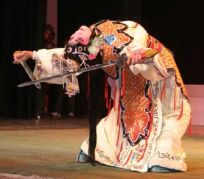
x=35 y=55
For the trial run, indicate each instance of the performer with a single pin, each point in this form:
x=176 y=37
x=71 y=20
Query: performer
x=151 y=110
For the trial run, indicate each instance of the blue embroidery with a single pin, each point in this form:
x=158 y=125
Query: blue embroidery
x=109 y=39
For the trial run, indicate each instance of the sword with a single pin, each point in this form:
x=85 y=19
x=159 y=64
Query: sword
x=120 y=63
x=29 y=73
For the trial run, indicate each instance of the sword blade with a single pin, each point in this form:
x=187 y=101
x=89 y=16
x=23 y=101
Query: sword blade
x=119 y=62
x=30 y=73
x=68 y=73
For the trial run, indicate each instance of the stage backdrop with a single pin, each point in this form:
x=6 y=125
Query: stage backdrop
x=22 y=27
x=178 y=24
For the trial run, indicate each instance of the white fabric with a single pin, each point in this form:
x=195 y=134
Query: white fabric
x=166 y=146
x=44 y=57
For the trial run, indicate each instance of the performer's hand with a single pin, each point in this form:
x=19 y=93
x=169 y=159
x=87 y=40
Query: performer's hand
x=136 y=56
x=20 y=56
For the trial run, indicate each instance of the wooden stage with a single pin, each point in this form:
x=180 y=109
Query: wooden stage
x=47 y=149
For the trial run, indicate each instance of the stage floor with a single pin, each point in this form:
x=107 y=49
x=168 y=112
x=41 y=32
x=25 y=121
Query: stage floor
x=31 y=149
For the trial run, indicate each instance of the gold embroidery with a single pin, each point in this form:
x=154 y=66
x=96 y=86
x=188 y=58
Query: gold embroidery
x=121 y=39
x=135 y=118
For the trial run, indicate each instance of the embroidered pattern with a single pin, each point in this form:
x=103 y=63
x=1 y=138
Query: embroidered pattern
x=168 y=156
x=136 y=117
x=109 y=39
x=115 y=40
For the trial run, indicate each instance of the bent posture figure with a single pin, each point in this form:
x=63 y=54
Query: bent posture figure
x=151 y=111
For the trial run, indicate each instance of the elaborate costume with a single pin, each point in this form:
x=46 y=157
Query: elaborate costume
x=151 y=110
x=145 y=126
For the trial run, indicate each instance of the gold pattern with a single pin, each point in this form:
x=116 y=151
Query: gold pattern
x=135 y=117
x=115 y=29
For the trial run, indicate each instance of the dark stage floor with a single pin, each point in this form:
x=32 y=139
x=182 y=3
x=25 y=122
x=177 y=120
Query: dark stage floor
x=31 y=149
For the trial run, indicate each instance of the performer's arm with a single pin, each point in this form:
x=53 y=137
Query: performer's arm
x=151 y=69
x=47 y=54
x=141 y=59
x=36 y=55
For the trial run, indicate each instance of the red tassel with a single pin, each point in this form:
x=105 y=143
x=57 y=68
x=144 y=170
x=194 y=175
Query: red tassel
x=106 y=96
x=109 y=105
x=189 y=127
x=123 y=84
x=175 y=96
x=181 y=112
x=163 y=93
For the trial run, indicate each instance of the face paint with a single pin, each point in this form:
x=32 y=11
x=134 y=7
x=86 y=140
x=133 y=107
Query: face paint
x=83 y=46
x=77 y=52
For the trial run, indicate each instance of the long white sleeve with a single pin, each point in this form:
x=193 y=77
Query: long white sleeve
x=46 y=54
x=151 y=69
x=44 y=64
